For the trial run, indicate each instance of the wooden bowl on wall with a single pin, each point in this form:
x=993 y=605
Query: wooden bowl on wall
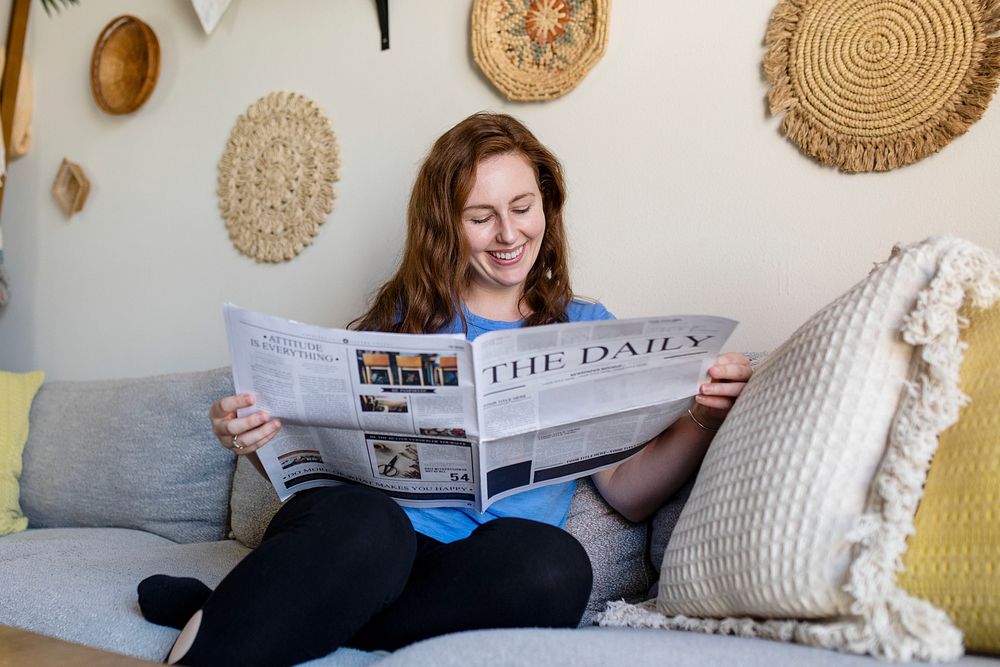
x=125 y=65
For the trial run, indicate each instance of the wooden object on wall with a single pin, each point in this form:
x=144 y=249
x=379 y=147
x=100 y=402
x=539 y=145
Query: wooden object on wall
x=71 y=187
x=12 y=75
x=17 y=28
x=20 y=126
x=125 y=65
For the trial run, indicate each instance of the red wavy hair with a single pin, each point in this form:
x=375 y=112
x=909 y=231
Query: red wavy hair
x=424 y=296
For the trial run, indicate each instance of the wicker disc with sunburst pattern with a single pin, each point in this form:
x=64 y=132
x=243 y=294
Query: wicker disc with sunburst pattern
x=870 y=85
x=538 y=49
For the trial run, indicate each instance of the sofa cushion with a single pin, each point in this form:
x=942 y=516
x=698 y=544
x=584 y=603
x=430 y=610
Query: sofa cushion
x=79 y=584
x=606 y=647
x=16 y=393
x=951 y=560
x=253 y=503
x=616 y=547
x=804 y=500
x=135 y=453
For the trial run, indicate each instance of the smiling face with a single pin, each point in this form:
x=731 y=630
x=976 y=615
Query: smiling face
x=503 y=222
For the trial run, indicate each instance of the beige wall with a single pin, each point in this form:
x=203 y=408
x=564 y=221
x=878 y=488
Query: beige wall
x=683 y=195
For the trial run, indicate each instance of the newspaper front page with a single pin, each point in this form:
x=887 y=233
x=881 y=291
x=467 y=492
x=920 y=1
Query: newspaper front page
x=436 y=421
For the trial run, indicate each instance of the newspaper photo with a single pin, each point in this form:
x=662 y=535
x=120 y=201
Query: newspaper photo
x=436 y=421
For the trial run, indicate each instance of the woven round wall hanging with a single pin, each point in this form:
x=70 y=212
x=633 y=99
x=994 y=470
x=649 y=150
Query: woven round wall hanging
x=538 y=49
x=276 y=177
x=871 y=85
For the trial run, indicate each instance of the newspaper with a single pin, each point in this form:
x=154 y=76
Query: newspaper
x=436 y=421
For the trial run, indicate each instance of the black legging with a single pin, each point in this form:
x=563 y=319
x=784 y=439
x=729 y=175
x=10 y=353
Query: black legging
x=342 y=566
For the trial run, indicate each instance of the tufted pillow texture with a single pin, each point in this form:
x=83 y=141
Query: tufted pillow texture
x=16 y=393
x=132 y=453
x=952 y=559
x=663 y=522
x=799 y=516
x=662 y=525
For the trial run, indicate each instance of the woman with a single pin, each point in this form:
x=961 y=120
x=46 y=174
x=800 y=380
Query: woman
x=485 y=250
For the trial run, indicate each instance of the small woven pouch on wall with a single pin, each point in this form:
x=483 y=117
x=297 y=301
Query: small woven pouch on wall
x=799 y=516
x=534 y=50
x=953 y=559
x=276 y=177
x=871 y=85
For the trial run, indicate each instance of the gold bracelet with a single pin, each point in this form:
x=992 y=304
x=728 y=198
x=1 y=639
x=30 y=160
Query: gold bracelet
x=695 y=420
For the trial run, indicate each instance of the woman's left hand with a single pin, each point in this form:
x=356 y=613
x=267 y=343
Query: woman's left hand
x=728 y=376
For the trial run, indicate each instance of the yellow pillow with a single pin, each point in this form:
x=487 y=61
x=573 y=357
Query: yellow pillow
x=953 y=558
x=16 y=393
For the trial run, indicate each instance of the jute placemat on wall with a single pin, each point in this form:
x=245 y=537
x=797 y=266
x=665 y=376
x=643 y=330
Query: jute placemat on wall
x=538 y=49
x=276 y=177
x=871 y=85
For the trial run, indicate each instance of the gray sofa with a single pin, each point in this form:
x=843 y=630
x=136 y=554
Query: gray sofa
x=123 y=479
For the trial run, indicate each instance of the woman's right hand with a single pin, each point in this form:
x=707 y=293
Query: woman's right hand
x=241 y=435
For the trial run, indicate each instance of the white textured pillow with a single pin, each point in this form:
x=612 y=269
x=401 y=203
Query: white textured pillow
x=802 y=507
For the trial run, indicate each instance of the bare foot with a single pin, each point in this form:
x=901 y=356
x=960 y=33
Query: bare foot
x=185 y=639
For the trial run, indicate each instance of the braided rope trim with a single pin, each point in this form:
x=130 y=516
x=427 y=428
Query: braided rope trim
x=854 y=154
x=276 y=177
x=551 y=71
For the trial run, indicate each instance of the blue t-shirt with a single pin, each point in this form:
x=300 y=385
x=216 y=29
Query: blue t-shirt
x=548 y=504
